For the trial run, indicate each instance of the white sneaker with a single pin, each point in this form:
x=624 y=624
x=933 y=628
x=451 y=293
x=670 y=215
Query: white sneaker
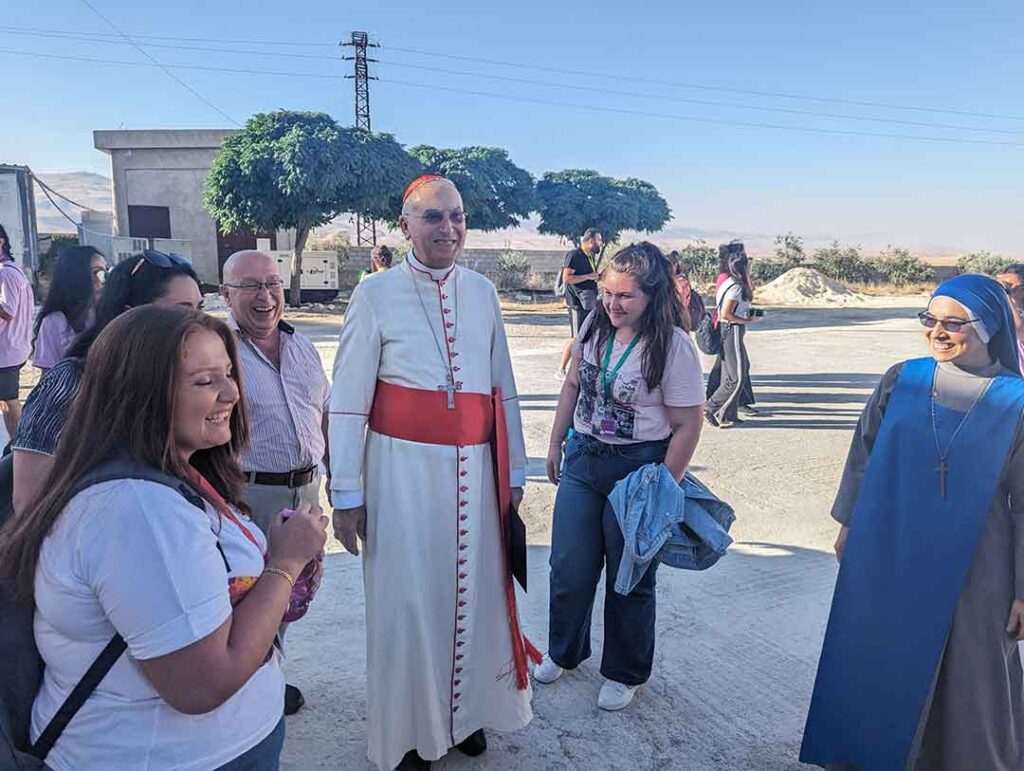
x=615 y=696
x=547 y=671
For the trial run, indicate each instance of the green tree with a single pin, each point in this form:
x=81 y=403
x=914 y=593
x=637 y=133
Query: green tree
x=573 y=200
x=983 y=262
x=789 y=250
x=298 y=170
x=844 y=263
x=900 y=268
x=495 y=192
x=699 y=260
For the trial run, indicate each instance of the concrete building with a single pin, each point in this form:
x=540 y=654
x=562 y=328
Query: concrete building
x=157 y=180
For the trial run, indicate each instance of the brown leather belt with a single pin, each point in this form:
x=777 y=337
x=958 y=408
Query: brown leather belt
x=298 y=478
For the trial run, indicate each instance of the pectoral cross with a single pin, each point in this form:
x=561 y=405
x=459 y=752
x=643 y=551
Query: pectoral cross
x=449 y=388
x=942 y=468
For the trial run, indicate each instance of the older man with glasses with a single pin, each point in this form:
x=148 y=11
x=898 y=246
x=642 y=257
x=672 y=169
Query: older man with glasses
x=287 y=395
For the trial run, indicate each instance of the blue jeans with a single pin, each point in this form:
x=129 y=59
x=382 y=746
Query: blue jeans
x=265 y=756
x=586 y=538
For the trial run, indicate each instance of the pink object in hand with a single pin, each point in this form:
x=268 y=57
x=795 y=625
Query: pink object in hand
x=303 y=591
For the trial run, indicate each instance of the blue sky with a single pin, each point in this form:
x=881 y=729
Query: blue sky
x=957 y=59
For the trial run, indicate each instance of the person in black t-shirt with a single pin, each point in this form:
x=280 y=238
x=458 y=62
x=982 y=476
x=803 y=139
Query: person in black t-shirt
x=579 y=274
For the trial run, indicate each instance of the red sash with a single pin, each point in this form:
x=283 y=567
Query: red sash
x=422 y=416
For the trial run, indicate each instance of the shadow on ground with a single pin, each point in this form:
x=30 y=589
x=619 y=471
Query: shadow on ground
x=811 y=318
x=735 y=660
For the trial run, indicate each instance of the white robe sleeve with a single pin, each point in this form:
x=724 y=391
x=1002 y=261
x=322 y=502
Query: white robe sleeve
x=355 y=379
x=503 y=377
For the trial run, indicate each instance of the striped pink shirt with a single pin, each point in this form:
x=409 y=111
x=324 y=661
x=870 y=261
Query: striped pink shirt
x=286 y=405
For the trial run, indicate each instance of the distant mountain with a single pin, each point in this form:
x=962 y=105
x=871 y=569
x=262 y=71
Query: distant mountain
x=93 y=191
x=83 y=187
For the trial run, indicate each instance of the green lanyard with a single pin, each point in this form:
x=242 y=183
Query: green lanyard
x=607 y=378
x=593 y=267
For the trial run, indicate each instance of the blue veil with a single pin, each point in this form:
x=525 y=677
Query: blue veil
x=987 y=300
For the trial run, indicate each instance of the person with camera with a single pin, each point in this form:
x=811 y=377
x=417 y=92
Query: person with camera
x=733 y=300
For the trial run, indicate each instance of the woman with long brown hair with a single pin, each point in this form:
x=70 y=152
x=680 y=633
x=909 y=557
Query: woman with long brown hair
x=633 y=395
x=191 y=587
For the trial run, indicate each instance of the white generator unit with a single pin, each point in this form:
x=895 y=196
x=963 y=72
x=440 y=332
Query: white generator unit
x=18 y=216
x=319 y=274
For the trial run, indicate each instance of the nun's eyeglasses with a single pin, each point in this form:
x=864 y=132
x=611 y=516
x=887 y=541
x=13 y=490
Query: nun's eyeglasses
x=928 y=321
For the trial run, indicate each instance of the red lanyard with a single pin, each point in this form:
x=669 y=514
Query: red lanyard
x=210 y=494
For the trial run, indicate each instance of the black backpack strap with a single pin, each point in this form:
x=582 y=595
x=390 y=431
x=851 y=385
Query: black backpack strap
x=78 y=696
x=105 y=472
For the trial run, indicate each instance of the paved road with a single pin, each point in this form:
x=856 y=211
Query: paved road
x=737 y=645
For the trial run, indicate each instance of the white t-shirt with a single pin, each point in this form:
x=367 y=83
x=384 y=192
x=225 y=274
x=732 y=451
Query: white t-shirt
x=634 y=414
x=137 y=554
x=732 y=290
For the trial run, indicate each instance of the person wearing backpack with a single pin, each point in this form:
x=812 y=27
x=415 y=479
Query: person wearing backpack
x=579 y=287
x=733 y=301
x=746 y=400
x=192 y=590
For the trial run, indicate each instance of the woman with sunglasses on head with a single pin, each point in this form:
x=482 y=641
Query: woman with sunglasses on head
x=633 y=396
x=920 y=667
x=68 y=309
x=145 y=278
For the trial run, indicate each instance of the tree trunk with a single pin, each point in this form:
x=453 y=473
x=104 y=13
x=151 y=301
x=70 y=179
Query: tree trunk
x=301 y=234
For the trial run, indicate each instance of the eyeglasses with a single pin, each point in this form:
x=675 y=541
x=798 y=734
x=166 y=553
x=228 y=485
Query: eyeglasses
x=254 y=287
x=928 y=321
x=436 y=217
x=162 y=260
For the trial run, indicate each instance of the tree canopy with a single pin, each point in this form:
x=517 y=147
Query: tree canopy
x=495 y=192
x=299 y=170
x=573 y=200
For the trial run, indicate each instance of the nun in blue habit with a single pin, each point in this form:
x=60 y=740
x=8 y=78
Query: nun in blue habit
x=920 y=667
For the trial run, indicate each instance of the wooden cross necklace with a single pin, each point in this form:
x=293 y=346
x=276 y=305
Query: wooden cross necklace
x=943 y=467
x=449 y=385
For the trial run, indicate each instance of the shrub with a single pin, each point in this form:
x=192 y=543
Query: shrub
x=766 y=269
x=984 y=263
x=789 y=249
x=57 y=242
x=699 y=261
x=844 y=263
x=512 y=270
x=899 y=267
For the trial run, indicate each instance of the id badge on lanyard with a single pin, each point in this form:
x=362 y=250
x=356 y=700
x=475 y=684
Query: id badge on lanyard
x=604 y=419
x=604 y=414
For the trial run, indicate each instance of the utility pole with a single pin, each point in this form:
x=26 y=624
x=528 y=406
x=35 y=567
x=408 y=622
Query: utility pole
x=366 y=230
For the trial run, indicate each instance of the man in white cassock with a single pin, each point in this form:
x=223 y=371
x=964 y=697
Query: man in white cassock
x=427 y=468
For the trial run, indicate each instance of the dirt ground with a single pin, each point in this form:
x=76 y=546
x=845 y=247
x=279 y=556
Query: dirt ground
x=737 y=645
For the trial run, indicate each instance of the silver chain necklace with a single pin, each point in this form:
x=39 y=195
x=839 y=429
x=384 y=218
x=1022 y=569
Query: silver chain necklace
x=943 y=466
x=449 y=386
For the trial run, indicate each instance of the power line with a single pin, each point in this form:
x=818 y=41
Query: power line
x=100 y=35
x=560 y=70
x=705 y=102
x=588 y=89
x=556 y=103
x=697 y=119
x=166 y=71
x=705 y=87
x=59 y=195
